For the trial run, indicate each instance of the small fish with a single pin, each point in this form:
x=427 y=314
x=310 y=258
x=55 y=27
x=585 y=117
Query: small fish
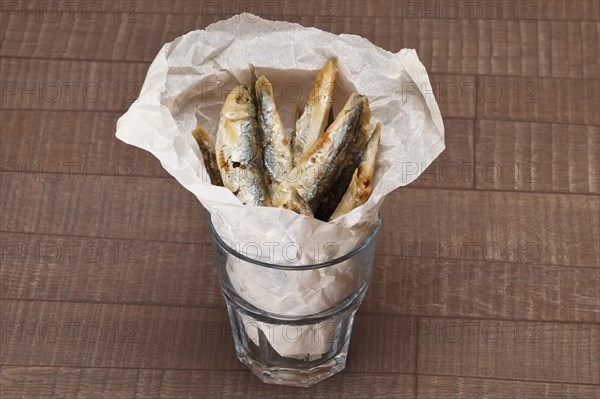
x=319 y=167
x=275 y=146
x=313 y=121
x=352 y=159
x=208 y=155
x=360 y=187
x=238 y=150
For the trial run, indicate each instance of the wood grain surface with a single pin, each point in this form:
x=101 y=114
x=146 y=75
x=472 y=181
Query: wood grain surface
x=487 y=277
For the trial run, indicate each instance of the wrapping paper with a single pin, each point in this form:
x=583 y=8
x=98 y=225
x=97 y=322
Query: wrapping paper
x=186 y=86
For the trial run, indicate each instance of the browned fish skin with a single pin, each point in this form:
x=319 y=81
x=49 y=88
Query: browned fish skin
x=208 y=155
x=238 y=150
x=290 y=199
x=361 y=185
x=352 y=159
x=319 y=167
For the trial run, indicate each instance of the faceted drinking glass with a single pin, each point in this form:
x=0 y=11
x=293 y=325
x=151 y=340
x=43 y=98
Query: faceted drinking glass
x=294 y=337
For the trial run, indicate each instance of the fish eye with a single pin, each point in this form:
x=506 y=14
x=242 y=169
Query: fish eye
x=242 y=99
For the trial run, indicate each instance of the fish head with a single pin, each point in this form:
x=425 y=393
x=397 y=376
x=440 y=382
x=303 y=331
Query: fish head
x=239 y=104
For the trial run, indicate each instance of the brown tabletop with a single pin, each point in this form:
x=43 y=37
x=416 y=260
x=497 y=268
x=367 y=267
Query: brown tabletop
x=487 y=277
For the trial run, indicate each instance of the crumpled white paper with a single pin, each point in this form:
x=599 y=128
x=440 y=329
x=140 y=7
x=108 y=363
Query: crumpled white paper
x=186 y=86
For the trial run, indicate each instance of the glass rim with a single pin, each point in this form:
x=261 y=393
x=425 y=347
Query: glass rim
x=313 y=266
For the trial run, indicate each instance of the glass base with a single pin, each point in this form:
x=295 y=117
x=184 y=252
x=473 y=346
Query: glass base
x=295 y=352
x=297 y=377
x=291 y=323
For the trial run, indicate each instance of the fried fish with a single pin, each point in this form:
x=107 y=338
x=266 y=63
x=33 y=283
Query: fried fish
x=320 y=166
x=238 y=149
x=275 y=146
x=313 y=121
x=208 y=155
x=352 y=159
x=360 y=187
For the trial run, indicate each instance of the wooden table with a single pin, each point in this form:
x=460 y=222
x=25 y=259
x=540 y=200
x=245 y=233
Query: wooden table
x=487 y=282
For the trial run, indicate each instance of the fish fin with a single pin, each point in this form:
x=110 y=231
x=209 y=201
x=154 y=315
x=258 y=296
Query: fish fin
x=208 y=154
x=298 y=111
x=253 y=80
x=292 y=138
x=331 y=118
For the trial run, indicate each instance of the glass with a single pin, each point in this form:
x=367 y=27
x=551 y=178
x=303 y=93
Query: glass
x=305 y=340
